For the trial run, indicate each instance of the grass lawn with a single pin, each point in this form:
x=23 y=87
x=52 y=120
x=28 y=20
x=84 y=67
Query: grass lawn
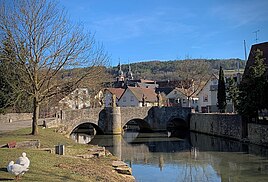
x=47 y=166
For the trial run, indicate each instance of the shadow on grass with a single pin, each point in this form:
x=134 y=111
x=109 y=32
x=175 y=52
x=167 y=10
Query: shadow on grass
x=3 y=169
x=6 y=179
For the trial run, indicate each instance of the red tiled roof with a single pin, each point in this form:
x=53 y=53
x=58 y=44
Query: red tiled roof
x=149 y=93
x=117 y=91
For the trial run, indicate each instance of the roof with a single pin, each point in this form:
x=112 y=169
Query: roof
x=116 y=91
x=140 y=92
x=262 y=47
x=212 y=76
x=146 y=81
x=165 y=90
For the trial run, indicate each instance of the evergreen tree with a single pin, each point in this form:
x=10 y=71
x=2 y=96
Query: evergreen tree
x=232 y=92
x=12 y=99
x=221 y=92
x=253 y=96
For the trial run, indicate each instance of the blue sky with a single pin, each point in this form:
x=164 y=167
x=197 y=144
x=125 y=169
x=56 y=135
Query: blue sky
x=144 y=30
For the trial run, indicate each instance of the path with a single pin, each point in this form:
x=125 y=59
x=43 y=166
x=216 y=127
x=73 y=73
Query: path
x=15 y=125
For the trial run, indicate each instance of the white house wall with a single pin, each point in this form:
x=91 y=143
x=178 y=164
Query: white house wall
x=204 y=93
x=128 y=99
x=78 y=99
x=176 y=94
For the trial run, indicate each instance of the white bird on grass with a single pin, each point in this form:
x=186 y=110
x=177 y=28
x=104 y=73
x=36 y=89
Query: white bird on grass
x=24 y=161
x=16 y=169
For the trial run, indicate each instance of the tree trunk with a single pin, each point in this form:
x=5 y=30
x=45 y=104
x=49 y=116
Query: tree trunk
x=35 y=117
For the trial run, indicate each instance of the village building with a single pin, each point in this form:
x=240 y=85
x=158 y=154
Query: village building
x=108 y=95
x=177 y=98
x=207 y=96
x=138 y=97
x=78 y=99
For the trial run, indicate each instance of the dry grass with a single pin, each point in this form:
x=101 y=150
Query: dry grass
x=51 y=167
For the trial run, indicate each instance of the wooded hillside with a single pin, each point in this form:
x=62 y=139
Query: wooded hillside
x=163 y=70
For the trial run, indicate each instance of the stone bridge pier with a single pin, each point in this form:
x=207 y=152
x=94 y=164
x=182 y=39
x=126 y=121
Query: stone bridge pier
x=111 y=120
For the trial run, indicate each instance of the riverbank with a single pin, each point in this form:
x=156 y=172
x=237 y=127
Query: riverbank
x=47 y=166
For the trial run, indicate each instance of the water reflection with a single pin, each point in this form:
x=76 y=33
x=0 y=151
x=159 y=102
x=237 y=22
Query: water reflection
x=197 y=157
x=193 y=157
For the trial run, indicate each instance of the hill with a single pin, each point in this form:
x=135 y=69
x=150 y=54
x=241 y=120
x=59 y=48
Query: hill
x=167 y=70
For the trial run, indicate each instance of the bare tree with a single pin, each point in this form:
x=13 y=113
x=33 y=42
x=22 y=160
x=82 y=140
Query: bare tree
x=46 y=47
x=193 y=74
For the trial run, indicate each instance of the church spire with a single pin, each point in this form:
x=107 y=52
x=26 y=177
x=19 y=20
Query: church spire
x=129 y=74
x=120 y=73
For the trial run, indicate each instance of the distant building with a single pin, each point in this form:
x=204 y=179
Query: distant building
x=138 y=97
x=177 y=98
x=207 y=96
x=78 y=99
x=163 y=92
x=108 y=95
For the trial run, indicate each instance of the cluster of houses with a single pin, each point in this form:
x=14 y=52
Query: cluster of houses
x=129 y=92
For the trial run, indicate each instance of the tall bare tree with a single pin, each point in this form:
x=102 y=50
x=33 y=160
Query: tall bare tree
x=47 y=46
x=193 y=74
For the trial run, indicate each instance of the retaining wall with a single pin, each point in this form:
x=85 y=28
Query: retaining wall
x=258 y=134
x=5 y=118
x=218 y=124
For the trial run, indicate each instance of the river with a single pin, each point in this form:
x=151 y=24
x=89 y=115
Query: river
x=159 y=157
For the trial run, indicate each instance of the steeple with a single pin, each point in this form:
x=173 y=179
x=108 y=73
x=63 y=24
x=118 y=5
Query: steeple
x=129 y=74
x=120 y=73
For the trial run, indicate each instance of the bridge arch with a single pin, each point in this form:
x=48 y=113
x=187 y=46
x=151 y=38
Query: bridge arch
x=178 y=127
x=141 y=123
x=86 y=125
x=177 y=123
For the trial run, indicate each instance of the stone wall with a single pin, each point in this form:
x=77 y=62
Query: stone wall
x=156 y=117
x=258 y=134
x=5 y=118
x=225 y=125
x=129 y=113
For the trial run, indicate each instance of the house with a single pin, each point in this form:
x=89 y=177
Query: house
x=108 y=95
x=78 y=99
x=177 y=98
x=138 y=97
x=163 y=92
x=207 y=96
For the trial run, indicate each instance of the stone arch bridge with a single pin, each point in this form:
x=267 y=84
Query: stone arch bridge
x=111 y=120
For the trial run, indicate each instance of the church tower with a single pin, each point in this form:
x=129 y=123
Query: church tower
x=120 y=73
x=129 y=74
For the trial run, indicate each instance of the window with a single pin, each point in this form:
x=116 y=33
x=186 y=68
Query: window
x=205 y=98
x=175 y=92
x=132 y=98
x=124 y=99
x=184 y=101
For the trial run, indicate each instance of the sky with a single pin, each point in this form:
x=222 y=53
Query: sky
x=144 y=30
